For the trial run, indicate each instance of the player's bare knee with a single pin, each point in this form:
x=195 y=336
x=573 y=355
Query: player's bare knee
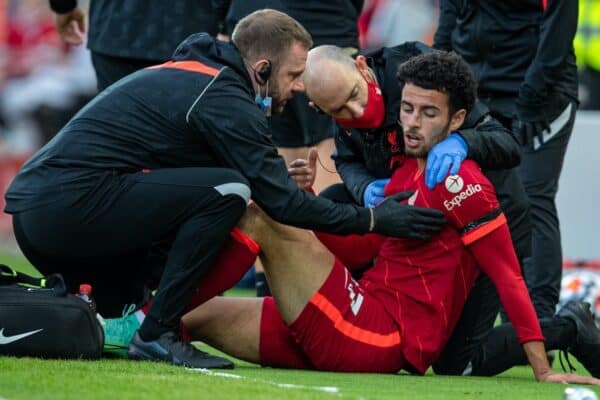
x=253 y=221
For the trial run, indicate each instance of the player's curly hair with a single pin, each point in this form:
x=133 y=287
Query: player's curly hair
x=443 y=71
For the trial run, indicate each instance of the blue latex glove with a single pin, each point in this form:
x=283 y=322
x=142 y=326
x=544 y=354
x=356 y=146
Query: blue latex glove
x=374 y=192
x=446 y=155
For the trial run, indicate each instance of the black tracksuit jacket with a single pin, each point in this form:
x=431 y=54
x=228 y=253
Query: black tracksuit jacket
x=517 y=50
x=175 y=118
x=329 y=22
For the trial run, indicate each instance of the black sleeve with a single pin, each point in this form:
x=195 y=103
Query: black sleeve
x=220 y=8
x=351 y=166
x=447 y=21
x=491 y=145
x=555 y=43
x=236 y=131
x=358 y=5
x=62 y=6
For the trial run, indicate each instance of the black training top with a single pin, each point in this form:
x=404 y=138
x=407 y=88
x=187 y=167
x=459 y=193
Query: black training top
x=195 y=111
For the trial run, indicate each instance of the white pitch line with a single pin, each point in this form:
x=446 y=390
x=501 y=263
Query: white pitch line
x=326 y=389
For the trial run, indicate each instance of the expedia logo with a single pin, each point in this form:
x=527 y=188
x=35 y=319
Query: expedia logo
x=454 y=183
x=458 y=199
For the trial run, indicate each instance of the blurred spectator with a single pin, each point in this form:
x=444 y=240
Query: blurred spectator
x=125 y=36
x=43 y=82
x=587 y=51
x=387 y=23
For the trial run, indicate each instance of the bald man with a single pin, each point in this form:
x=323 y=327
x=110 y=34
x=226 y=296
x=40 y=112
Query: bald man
x=364 y=97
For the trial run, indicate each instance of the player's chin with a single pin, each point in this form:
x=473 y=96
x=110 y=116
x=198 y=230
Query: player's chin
x=418 y=152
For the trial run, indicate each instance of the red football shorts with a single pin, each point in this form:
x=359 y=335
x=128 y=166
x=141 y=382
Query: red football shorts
x=342 y=328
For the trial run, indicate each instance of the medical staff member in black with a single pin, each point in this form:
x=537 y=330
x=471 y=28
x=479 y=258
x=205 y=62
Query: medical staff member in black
x=158 y=168
x=521 y=52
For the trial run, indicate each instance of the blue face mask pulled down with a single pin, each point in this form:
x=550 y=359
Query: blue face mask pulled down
x=264 y=102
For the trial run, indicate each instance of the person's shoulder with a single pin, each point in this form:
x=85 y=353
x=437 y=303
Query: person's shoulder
x=469 y=166
x=469 y=180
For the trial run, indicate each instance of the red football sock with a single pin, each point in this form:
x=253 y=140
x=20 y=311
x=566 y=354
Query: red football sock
x=234 y=260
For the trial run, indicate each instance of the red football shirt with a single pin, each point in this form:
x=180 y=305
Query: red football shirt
x=424 y=284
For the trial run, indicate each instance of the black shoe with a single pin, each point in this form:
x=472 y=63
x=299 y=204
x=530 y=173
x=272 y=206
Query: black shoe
x=170 y=348
x=586 y=346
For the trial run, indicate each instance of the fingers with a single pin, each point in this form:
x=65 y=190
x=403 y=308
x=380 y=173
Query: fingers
x=378 y=191
x=313 y=154
x=74 y=35
x=300 y=173
x=401 y=196
x=571 y=378
x=456 y=163
x=431 y=214
x=431 y=170
x=299 y=162
x=418 y=236
x=586 y=380
x=427 y=229
x=443 y=169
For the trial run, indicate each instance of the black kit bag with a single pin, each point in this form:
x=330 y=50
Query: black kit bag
x=38 y=318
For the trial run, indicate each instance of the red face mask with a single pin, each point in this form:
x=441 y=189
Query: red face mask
x=374 y=111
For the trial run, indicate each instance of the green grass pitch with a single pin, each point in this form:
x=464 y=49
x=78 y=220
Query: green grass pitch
x=27 y=378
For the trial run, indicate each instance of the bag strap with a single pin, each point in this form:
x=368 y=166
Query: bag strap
x=9 y=276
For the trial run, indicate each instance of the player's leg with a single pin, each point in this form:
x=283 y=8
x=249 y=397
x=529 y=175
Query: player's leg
x=229 y=324
x=342 y=328
x=475 y=323
x=250 y=329
x=571 y=329
x=295 y=262
x=338 y=325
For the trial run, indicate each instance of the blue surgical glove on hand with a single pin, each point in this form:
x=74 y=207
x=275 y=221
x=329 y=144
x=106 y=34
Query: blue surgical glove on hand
x=446 y=155
x=374 y=192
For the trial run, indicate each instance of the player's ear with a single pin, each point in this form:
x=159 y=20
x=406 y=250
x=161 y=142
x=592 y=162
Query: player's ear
x=457 y=119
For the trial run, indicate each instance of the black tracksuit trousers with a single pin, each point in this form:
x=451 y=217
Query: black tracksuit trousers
x=165 y=223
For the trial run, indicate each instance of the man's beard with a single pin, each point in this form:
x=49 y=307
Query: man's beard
x=278 y=102
x=422 y=152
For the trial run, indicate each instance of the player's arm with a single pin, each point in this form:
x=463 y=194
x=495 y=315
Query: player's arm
x=473 y=209
x=496 y=257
